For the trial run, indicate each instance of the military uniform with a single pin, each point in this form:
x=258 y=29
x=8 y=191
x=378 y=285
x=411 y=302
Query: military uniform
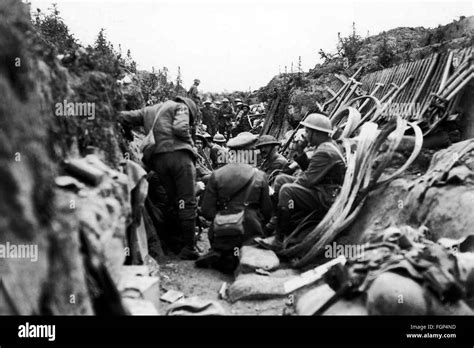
x=209 y=119
x=274 y=162
x=226 y=181
x=317 y=187
x=172 y=158
x=243 y=124
x=193 y=94
x=225 y=119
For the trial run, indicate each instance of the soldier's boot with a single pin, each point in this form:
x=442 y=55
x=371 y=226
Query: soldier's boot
x=283 y=227
x=270 y=227
x=189 y=251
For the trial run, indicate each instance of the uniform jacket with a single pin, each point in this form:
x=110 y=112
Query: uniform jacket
x=171 y=132
x=274 y=162
x=326 y=166
x=194 y=94
x=141 y=117
x=226 y=114
x=208 y=116
x=225 y=182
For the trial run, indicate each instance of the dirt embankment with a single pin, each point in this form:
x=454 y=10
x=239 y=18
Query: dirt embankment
x=34 y=139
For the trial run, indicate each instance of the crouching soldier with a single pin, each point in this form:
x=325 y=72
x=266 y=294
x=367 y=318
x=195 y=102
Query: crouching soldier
x=217 y=153
x=237 y=200
x=316 y=188
x=272 y=161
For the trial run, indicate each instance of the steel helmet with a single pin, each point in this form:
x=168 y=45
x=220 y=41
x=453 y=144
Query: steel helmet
x=239 y=103
x=225 y=100
x=237 y=100
x=208 y=101
x=318 y=122
x=197 y=80
x=218 y=138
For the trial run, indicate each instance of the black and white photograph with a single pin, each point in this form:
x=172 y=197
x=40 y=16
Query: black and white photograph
x=236 y=159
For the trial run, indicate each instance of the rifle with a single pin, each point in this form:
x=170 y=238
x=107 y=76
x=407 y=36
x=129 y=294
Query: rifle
x=288 y=142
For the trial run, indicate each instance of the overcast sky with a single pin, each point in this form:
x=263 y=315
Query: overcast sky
x=233 y=45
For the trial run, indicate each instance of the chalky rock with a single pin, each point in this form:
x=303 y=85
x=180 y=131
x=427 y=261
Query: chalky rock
x=138 y=306
x=311 y=301
x=252 y=258
x=254 y=286
x=393 y=294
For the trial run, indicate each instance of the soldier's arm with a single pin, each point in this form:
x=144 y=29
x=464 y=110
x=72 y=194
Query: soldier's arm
x=209 y=200
x=278 y=164
x=319 y=165
x=181 y=126
x=302 y=160
x=133 y=118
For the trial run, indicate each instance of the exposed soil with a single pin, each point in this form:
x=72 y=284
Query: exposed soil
x=205 y=283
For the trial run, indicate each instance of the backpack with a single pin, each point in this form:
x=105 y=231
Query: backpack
x=148 y=145
x=228 y=225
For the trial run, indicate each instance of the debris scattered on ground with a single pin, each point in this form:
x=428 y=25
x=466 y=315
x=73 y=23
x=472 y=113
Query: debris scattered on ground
x=223 y=291
x=195 y=306
x=139 y=286
x=171 y=296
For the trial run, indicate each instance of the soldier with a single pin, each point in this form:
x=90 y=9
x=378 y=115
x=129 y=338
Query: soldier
x=209 y=117
x=217 y=152
x=201 y=146
x=193 y=92
x=217 y=106
x=172 y=158
x=237 y=105
x=232 y=187
x=242 y=121
x=225 y=118
x=319 y=184
x=272 y=161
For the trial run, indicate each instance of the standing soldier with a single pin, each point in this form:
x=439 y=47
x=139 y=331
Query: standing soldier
x=217 y=106
x=237 y=105
x=242 y=120
x=209 y=117
x=172 y=158
x=225 y=118
x=193 y=92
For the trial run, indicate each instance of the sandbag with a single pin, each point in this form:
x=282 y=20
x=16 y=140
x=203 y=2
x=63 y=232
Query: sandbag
x=254 y=286
x=252 y=258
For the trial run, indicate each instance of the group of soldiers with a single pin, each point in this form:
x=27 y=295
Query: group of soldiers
x=190 y=175
x=224 y=117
